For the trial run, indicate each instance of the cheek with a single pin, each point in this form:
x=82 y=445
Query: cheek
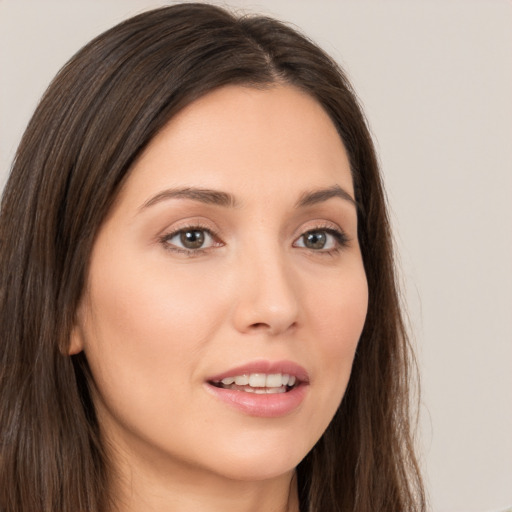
x=338 y=317
x=153 y=306
x=143 y=332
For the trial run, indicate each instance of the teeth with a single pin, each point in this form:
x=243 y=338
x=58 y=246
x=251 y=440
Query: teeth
x=257 y=380
x=242 y=380
x=258 y=391
x=261 y=382
x=273 y=380
x=271 y=391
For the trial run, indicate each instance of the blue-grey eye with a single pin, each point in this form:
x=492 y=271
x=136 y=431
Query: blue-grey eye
x=319 y=240
x=315 y=239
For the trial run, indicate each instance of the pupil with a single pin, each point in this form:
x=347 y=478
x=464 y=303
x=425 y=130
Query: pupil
x=192 y=239
x=315 y=240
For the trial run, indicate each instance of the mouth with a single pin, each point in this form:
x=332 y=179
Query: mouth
x=259 y=383
x=262 y=388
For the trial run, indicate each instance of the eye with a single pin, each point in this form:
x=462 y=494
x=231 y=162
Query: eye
x=190 y=239
x=325 y=239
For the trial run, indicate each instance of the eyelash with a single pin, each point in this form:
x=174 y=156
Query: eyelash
x=340 y=237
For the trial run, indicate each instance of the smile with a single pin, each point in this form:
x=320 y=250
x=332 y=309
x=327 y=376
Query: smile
x=262 y=388
x=259 y=383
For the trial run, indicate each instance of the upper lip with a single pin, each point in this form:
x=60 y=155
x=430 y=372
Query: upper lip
x=267 y=367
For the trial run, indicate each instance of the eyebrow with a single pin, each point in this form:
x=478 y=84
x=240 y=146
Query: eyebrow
x=203 y=195
x=311 y=198
x=219 y=198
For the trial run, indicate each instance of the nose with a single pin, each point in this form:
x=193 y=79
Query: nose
x=267 y=295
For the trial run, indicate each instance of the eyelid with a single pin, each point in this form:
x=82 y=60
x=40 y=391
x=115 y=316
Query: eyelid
x=319 y=224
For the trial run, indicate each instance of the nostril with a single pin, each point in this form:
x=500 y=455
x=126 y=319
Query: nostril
x=260 y=325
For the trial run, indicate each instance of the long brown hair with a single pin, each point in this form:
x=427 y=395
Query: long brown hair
x=99 y=113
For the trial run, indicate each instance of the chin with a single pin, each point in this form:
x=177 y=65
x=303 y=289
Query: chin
x=256 y=471
x=262 y=459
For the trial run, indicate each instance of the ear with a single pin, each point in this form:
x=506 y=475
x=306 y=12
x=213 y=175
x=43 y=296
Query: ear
x=76 y=341
x=76 y=338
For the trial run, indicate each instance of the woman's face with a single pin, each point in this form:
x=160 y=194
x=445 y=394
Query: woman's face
x=231 y=253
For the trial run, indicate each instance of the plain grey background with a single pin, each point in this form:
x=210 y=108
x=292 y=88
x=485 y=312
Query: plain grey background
x=435 y=79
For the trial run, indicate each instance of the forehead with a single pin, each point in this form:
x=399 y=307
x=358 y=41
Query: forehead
x=246 y=141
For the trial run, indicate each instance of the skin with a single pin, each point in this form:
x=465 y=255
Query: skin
x=156 y=322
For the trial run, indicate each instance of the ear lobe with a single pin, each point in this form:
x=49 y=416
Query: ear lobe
x=76 y=343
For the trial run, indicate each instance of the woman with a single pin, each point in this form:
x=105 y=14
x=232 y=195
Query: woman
x=198 y=302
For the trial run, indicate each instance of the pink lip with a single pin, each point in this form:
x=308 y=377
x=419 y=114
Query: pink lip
x=264 y=405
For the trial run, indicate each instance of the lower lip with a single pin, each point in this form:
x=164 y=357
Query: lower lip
x=264 y=405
